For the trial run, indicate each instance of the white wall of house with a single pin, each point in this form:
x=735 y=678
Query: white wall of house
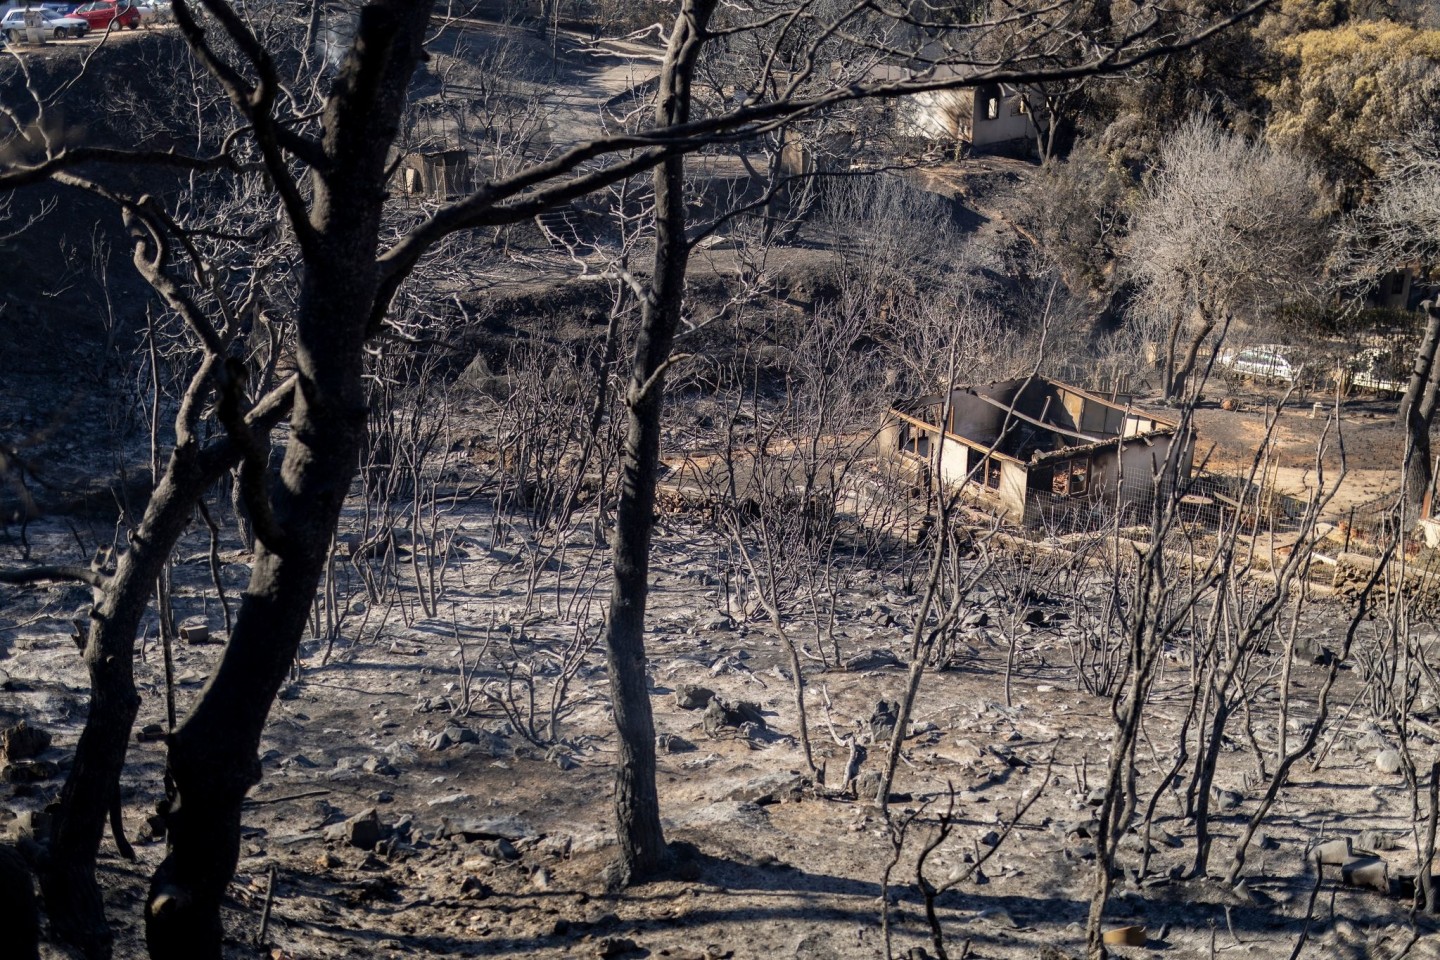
x=954 y=462
x=964 y=114
x=1012 y=488
x=999 y=116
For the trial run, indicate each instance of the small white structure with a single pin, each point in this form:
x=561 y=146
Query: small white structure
x=986 y=117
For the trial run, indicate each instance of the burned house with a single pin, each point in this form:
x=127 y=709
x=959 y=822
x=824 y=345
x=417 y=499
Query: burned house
x=986 y=118
x=436 y=174
x=1035 y=447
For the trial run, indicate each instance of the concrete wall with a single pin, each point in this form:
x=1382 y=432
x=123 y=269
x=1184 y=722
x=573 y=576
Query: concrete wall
x=954 y=462
x=936 y=115
x=1140 y=461
x=1012 y=488
x=1009 y=124
x=963 y=114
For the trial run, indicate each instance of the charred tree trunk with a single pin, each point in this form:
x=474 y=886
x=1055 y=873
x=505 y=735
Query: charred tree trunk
x=637 y=805
x=213 y=757
x=72 y=897
x=19 y=914
x=1417 y=413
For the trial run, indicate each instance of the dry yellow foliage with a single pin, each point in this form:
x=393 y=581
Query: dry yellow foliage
x=1350 y=89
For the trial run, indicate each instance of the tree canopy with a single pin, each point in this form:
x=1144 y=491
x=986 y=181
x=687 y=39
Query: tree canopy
x=1350 y=89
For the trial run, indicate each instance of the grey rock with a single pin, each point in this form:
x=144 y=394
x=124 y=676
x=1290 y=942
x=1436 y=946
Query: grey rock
x=150 y=733
x=871 y=660
x=867 y=785
x=1332 y=852
x=1312 y=650
x=720 y=715
x=23 y=742
x=562 y=758
x=614 y=947
x=1388 y=761
x=362 y=831
x=772 y=788
x=29 y=771
x=1378 y=841
x=688 y=696
x=1227 y=799
x=883 y=720
x=503 y=849
x=1367 y=872
x=380 y=767
x=673 y=743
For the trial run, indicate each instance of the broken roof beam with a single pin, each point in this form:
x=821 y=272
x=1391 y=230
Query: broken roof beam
x=1009 y=408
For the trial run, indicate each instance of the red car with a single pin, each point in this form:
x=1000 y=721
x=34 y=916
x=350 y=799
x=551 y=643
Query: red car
x=102 y=13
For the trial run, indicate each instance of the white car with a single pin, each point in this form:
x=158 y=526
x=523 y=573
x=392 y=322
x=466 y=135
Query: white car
x=13 y=25
x=155 y=11
x=1268 y=362
x=1381 y=369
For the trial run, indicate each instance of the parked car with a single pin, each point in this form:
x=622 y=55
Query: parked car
x=1381 y=369
x=155 y=11
x=13 y=25
x=1269 y=362
x=101 y=13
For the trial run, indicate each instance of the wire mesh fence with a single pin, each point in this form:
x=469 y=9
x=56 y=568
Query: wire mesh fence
x=1213 y=500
